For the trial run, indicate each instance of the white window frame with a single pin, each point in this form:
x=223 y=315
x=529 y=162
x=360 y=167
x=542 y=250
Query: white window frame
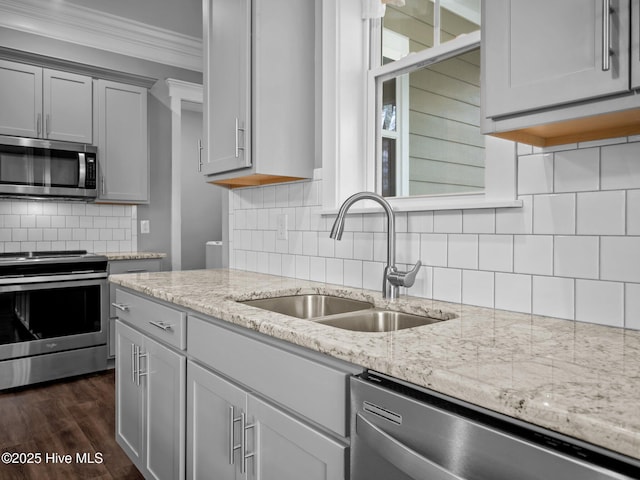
x=349 y=118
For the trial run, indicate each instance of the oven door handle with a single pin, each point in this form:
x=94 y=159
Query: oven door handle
x=401 y=456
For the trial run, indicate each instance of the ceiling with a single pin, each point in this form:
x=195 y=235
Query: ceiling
x=181 y=16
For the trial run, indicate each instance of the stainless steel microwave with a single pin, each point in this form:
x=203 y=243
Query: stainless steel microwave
x=32 y=167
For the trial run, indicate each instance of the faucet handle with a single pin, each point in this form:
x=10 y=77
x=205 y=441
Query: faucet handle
x=403 y=279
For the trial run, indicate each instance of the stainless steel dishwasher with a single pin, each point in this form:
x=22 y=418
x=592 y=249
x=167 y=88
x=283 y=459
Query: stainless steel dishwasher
x=399 y=431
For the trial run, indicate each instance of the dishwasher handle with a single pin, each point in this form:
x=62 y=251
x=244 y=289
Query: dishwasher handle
x=401 y=456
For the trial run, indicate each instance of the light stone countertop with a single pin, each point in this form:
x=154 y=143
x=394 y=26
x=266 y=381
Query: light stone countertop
x=133 y=255
x=579 y=379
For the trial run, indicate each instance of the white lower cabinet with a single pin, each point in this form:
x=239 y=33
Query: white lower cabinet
x=150 y=404
x=198 y=397
x=235 y=434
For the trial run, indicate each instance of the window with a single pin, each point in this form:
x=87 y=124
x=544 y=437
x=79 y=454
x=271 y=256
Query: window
x=428 y=139
x=413 y=134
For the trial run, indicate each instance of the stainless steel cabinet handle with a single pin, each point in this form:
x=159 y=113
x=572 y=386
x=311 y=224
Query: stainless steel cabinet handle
x=47 y=125
x=200 y=148
x=238 y=130
x=102 y=184
x=243 y=450
x=140 y=373
x=133 y=363
x=162 y=325
x=39 y=124
x=606 y=35
x=232 y=441
x=121 y=306
x=401 y=456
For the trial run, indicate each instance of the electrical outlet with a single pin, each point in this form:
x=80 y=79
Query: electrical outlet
x=144 y=226
x=282 y=227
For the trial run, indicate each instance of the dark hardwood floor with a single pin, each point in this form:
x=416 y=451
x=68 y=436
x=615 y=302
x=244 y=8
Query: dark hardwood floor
x=68 y=417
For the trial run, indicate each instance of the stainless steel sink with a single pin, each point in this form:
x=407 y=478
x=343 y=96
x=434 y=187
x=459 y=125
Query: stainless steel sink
x=309 y=306
x=377 y=321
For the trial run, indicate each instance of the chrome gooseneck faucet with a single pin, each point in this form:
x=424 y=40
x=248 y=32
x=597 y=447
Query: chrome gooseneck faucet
x=393 y=278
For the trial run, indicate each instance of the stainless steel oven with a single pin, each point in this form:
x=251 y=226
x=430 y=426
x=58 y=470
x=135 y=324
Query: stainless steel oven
x=53 y=315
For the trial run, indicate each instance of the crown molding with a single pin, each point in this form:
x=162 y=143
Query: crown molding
x=92 y=28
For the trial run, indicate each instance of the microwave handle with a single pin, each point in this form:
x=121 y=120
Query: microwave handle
x=82 y=170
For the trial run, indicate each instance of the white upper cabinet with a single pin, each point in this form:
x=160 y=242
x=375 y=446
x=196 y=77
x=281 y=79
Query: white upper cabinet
x=560 y=72
x=42 y=103
x=546 y=53
x=123 y=143
x=259 y=91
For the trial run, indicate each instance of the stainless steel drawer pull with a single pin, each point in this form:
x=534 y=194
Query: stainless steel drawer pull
x=121 y=306
x=162 y=325
x=606 y=35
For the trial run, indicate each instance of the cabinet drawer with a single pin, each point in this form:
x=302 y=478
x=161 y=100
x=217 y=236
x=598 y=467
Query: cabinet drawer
x=315 y=390
x=158 y=320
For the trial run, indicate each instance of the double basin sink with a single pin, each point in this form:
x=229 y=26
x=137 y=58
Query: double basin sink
x=341 y=312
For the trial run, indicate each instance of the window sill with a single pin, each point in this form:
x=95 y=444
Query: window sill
x=427 y=204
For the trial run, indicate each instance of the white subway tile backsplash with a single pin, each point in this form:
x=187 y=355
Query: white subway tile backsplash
x=577 y=170
x=633 y=212
x=479 y=221
x=310 y=243
x=632 y=306
x=407 y=248
x=447 y=221
x=553 y=297
x=462 y=251
x=447 y=284
x=495 y=253
x=363 y=246
x=372 y=275
x=353 y=273
x=516 y=220
x=533 y=254
x=554 y=214
x=302 y=267
x=535 y=174
x=433 y=249
x=601 y=213
x=600 y=302
x=620 y=259
x=576 y=256
x=478 y=288
x=420 y=222
x=513 y=292
x=335 y=271
x=344 y=247
x=620 y=168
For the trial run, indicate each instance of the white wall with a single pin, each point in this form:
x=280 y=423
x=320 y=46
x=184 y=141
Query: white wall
x=572 y=251
x=35 y=225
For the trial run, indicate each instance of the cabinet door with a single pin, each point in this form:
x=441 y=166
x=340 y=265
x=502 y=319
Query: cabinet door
x=68 y=106
x=164 y=372
x=20 y=99
x=288 y=449
x=546 y=53
x=129 y=395
x=122 y=142
x=227 y=73
x=212 y=405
